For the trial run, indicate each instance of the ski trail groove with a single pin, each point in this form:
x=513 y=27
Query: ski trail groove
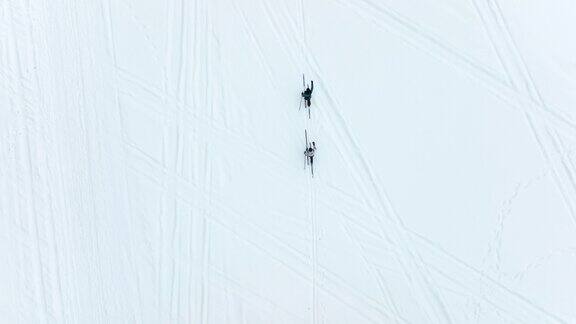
x=220 y=208
x=520 y=74
x=423 y=40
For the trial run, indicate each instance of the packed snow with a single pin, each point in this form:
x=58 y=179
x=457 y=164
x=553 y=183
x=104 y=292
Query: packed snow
x=152 y=167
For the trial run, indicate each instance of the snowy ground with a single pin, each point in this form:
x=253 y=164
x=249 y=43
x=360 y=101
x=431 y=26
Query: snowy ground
x=151 y=166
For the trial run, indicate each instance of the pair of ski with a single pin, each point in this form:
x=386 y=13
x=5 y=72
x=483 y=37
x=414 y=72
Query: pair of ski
x=309 y=160
x=302 y=98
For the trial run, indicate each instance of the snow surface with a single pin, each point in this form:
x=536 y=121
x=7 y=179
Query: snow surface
x=151 y=166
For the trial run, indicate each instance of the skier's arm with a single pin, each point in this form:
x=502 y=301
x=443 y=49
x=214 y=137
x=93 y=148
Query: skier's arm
x=312 y=86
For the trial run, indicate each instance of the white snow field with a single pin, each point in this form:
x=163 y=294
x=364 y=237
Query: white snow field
x=152 y=168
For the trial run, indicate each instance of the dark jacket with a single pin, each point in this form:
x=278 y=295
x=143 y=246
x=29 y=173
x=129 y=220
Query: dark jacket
x=307 y=94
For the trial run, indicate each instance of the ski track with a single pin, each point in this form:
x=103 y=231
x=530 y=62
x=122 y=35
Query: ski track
x=261 y=231
x=473 y=271
x=548 y=143
x=521 y=77
x=387 y=20
x=374 y=272
x=356 y=152
x=538 y=99
x=258 y=47
x=276 y=241
x=35 y=224
x=111 y=47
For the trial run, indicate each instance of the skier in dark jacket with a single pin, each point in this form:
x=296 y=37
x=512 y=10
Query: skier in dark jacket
x=307 y=94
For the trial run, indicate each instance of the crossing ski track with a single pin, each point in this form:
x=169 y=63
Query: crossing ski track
x=519 y=76
x=355 y=151
x=151 y=168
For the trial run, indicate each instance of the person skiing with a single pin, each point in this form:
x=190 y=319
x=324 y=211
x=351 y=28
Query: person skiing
x=307 y=94
x=309 y=153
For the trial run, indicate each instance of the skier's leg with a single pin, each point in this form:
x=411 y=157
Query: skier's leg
x=312 y=165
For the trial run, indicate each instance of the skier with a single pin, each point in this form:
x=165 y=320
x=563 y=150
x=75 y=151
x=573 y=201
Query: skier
x=307 y=94
x=309 y=153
